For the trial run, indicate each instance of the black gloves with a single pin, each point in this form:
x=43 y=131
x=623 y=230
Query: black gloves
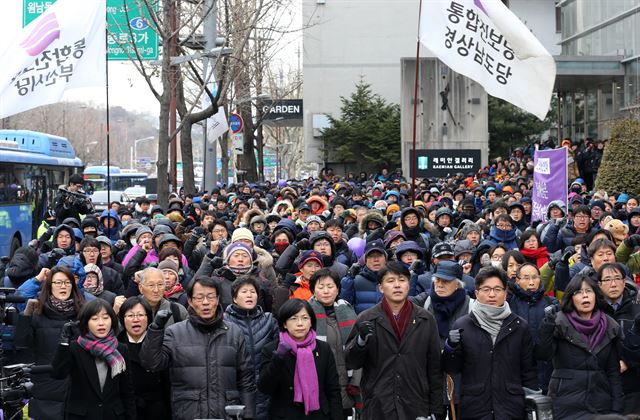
x=354 y=270
x=68 y=332
x=367 y=329
x=390 y=226
x=161 y=319
x=632 y=241
x=303 y=244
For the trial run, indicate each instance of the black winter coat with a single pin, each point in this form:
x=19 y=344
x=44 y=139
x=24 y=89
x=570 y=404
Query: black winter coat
x=85 y=399
x=399 y=380
x=493 y=375
x=41 y=333
x=276 y=380
x=584 y=382
x=209 y=368
x=151 y=389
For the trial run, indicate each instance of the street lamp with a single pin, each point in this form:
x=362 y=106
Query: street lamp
x=134 y=149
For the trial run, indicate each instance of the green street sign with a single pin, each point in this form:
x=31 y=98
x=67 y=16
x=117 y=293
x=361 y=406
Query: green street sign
x=121 y=15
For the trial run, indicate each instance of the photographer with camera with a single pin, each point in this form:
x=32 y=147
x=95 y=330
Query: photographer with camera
x=71 y=201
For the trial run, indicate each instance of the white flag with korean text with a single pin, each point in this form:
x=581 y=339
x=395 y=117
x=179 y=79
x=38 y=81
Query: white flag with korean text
x=63 y=49
x=485 y=41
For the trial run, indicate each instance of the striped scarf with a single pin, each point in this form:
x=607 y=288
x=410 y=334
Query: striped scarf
x=106 y=349
x=345 y=319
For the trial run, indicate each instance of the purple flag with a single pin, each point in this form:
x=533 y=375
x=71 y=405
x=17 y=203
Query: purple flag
x=549 y=180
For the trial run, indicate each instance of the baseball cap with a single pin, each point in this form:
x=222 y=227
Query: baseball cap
x=442 y=249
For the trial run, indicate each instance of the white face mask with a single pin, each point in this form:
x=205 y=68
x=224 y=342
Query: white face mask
x=132 y=241
x=497 y=264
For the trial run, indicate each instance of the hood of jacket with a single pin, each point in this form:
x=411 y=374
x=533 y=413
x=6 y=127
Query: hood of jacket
x=372 y=215
x=22 y=266
x=72 y=247
x=324 y=205
x=112 y=233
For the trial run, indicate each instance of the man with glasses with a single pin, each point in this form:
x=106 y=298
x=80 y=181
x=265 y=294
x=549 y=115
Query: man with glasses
x=151 y=288
x=622 y=305
x=492 y=349
x=208 y=359
x=558 y=237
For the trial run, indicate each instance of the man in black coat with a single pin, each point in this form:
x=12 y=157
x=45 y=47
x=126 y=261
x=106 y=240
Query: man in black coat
x=396 y=344
x=494 y=355
x=208 y=360
x=69 y=201
x=623 y=305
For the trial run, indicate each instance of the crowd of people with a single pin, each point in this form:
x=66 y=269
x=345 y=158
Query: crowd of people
x=335 y=297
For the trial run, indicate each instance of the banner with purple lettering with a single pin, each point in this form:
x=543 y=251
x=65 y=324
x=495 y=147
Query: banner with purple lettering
x=549 y=180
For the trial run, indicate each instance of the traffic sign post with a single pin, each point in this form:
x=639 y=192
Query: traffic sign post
x=119 y=19
x=236 y=123
x=238 y=142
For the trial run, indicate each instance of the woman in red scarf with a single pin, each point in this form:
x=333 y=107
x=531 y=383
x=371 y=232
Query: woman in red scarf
x=100 y=384
x=299 y=371
x=530 y=248
x=173 y=290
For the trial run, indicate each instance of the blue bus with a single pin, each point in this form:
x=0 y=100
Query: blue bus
x=32 y=167
x=95 y=178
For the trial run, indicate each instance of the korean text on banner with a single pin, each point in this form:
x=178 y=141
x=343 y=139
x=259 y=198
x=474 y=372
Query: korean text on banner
x=549 y=181
x=63 y=49
x=485 y=41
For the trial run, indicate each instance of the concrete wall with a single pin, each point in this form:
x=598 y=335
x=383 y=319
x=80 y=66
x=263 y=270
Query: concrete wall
x=352 y=39
x=436 y=129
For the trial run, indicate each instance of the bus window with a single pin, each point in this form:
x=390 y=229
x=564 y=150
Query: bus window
x=13 y=188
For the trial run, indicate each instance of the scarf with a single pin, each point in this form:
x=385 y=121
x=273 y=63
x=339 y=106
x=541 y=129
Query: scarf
x=239 y=271
x=305 y=378
x=540 y=255
x=592 y=330
x=400 y=322
x=62 y=306
x=177 y=288
x=106 y=349
x=508 y=237
x=206 y=325
x=525 y=295
x=491 y=317
x=345 y=319
x=444 y=307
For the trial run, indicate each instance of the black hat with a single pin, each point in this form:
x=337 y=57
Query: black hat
x=448 y=270
x=377 y=246
x=441 y=249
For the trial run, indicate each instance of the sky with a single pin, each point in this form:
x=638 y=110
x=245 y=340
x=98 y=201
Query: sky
x=127 y=88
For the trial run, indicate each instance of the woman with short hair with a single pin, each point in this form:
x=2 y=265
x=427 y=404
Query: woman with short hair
x=584 y=344
x=97 y=365
x=298 y=370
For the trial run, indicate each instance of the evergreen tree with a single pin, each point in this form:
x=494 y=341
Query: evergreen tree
x=368 y=129
x=510 y=127
x=619 y=170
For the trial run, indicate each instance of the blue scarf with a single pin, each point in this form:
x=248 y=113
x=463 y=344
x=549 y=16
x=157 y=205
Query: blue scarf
x=444 y=307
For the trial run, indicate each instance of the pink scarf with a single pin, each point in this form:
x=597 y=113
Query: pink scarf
x=305 y=378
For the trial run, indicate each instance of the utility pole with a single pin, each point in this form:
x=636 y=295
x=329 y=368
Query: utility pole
x=173 y=148
x=210 y=160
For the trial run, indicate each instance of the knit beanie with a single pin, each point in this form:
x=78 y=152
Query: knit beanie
x=241 y=233
x=168 y=265
x=236 y=246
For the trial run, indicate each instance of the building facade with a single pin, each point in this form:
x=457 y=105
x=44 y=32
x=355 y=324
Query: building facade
x=346 y=41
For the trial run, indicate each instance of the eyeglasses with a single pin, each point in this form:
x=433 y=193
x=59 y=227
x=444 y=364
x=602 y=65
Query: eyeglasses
x=92 y=251
x=154 y=286
x=219 y=230
x=200 y=298
x=303 y=318
x=411 y=218
x=487 y=290
x=580 y=216
x=59 y=283
x=584 y=292
x=135 y=316
x=504 y=226
x=610 y=280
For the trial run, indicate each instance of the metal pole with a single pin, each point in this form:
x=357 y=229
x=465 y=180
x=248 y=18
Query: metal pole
x=173 y=147
x=106 y=70
x=413 y=155
x=210 y=160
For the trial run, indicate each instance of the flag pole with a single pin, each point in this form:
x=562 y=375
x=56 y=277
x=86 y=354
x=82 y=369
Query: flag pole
x=106 y=70
x=414 y=157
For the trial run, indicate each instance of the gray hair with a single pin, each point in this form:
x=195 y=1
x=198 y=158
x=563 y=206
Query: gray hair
x=150 y=270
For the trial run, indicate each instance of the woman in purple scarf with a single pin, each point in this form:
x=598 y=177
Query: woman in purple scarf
x=584 y=345
x=298 y=371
